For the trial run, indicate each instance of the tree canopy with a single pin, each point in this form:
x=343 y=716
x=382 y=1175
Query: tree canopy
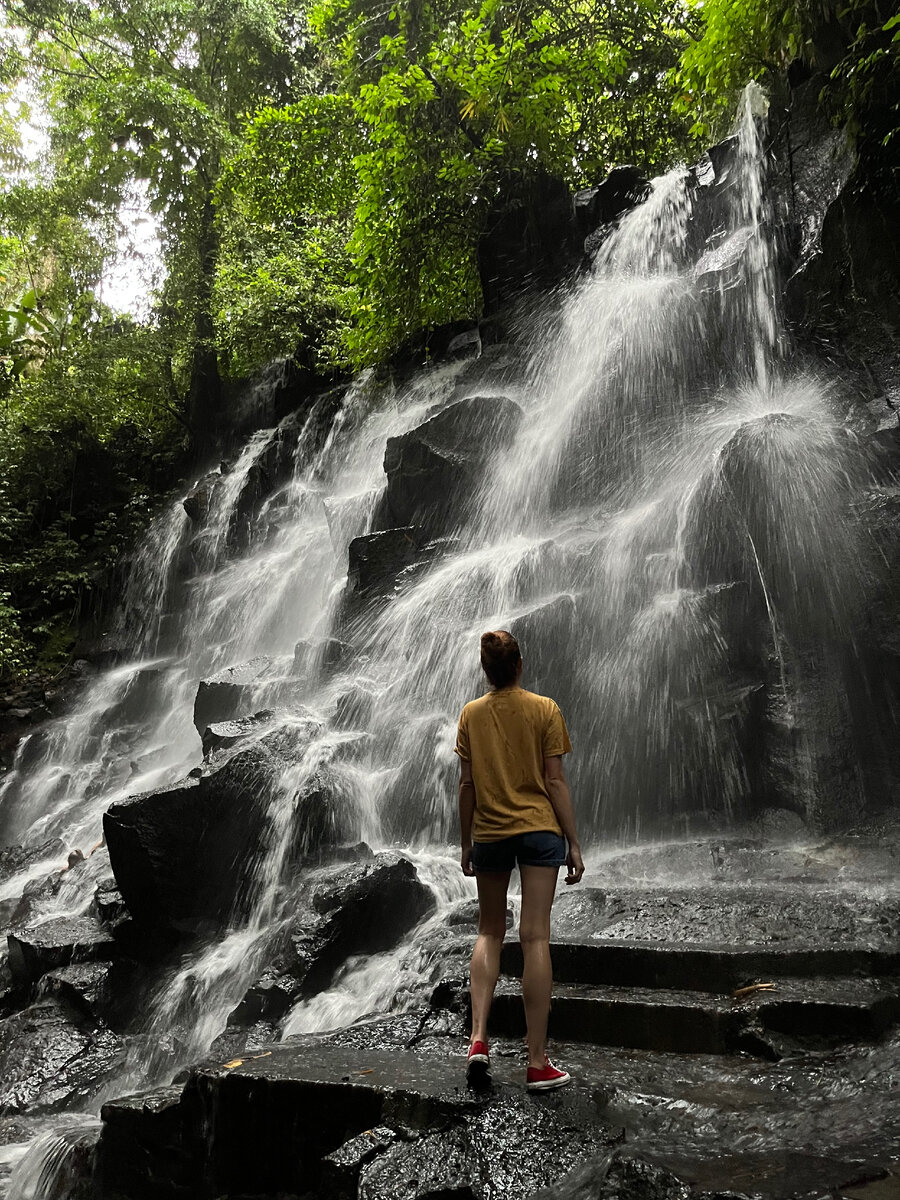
x=321 y=176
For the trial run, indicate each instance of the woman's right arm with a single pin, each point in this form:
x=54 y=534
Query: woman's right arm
x=558 y=791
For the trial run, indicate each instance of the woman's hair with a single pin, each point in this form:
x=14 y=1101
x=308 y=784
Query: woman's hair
x=500 y=657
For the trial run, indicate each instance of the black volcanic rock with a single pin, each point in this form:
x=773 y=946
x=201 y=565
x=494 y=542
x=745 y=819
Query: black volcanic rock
x=228 y=694
x=83 y=986
x=184 y=857
x=52 y=1058
x=222 y=735
x=56 y=943
x=441 y=461
x=378 y=558
x=364 y=908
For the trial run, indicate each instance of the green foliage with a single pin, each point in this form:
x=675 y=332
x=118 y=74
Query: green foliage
x=84 y=442
x=441 y=113
x=14 y=650
x=854 y=44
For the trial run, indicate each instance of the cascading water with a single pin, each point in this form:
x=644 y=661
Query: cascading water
x=666 y=534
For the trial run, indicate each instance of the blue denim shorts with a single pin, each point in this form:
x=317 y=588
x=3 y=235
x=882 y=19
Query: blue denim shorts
x=539 y=849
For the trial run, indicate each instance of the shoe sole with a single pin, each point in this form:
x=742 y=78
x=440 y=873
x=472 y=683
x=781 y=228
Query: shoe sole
x=478 y=1070
x=547 y=1085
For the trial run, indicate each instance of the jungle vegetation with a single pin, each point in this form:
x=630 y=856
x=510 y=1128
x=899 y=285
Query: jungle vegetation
x=320 y=177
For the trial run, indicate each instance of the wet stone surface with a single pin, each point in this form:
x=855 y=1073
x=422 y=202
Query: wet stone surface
x=56 y=943
x=361 y=908
x=53 y=1058
x=746 y=915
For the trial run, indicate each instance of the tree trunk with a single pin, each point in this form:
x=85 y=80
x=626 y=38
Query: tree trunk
x=205 y=409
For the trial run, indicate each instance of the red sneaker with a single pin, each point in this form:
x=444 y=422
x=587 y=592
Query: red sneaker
x=478 y=1063
x=542 y=1079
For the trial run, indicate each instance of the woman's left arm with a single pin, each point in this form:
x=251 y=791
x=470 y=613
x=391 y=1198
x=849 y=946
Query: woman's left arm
x=466 y=815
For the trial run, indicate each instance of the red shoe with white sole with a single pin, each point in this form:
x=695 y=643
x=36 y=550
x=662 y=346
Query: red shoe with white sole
x=542 y=1079
x=478 y=1063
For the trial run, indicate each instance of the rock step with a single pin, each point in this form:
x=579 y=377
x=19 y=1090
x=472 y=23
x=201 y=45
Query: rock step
x=303 y=1117
x=696 y=967
x=692 y=1022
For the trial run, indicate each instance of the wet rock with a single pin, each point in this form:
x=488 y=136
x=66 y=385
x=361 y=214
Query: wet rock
x=532 y=240
x=16 y=859
x=197 y=502
x=229 y=694
x=83 y=986
x=142 y=1153
x=598 y=208
x=444 y=457
x=376 y=559
x=235 y=1042
x=466 y=344
x=56 y=943
x=157 y=839
x=363 y=909
x=52 y=1058
x=617 y=1177
x=274 y=1125
x=341 y=1168
x=311 y=655
x=437 y=1165
x=108 y=906
x=222 y=735
x=38 y=895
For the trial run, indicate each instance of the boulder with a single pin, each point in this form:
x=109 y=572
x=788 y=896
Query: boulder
x=222 y=735
x=56 y=943
x=624 y=188
x=84 y=987
x=108 y=906
x=217 y=821
x=529 y=242
x=361 y=909
x=52 y=1058
x=376 y=559
x=199 y=499
x=229 y=693
x=442 y=459
x=142 y=1152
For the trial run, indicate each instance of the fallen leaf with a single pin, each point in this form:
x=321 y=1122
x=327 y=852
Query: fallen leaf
x=235 y=1062
x=751 y=989
x=367 y=1071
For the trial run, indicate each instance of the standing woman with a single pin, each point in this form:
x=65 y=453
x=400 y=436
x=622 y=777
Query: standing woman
x=514 y=807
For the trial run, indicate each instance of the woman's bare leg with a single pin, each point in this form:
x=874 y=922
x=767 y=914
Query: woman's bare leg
x=485 y=966
x=538 y=888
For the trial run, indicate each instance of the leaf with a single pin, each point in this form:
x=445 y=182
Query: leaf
x=235 y=1062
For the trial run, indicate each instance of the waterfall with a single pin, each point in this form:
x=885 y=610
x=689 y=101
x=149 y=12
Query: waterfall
x=666 y=532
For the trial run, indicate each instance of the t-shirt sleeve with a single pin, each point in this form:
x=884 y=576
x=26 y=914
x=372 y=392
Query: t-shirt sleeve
x=556 y=736
x=462 y=738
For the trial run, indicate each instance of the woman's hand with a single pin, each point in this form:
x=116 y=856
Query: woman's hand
x=466 y=861
x=574 y=863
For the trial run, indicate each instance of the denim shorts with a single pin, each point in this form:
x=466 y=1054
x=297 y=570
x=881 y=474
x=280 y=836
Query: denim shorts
x=539 y=849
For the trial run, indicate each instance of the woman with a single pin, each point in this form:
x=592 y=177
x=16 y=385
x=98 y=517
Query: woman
x=514 y=807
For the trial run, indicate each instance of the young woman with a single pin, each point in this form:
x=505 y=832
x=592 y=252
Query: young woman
x=514 y=807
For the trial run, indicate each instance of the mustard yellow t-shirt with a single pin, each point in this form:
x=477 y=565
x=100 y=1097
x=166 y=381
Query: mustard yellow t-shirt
x=506 y=735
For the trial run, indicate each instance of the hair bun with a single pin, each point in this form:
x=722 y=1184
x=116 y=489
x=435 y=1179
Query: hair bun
x=500 y=657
